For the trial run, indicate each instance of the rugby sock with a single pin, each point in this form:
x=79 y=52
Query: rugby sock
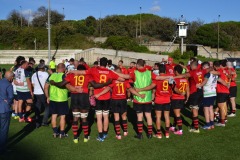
x=75 y=129
x=20 y=114
x=149 y=129
x=100 y=134
x=140 y=127
x=85 y=129
x=195 y=122
x=212 y=123
x=158 y=132
x=55 y=130
x=125 y=125
x=27 y=114
x=105 y=132
x=62 y=132
x=117 y=127
x=179 y=122
x=208 y=124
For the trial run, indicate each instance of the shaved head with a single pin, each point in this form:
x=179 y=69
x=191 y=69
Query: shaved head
x=61 y=67
x=9 y=75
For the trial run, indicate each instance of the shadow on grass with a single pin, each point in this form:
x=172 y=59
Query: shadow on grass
x=132 y=117
x=26 y=152
x=21 y=134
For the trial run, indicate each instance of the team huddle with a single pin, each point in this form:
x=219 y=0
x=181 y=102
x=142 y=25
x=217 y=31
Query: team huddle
x=165 y=88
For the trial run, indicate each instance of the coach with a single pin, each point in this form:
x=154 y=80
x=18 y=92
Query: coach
x=6 y=98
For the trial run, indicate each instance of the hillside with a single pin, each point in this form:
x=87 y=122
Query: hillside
x=74 y=34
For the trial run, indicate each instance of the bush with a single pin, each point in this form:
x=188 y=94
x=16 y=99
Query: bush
x=124 y=43
x=176 y=54
x=187 y=55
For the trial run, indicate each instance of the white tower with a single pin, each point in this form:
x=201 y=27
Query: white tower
x=182 y=32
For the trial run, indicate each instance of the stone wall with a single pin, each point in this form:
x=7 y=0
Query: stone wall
x=93 y=54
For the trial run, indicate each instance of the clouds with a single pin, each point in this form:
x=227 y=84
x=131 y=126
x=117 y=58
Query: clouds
x=28 y=14
x=156 y=7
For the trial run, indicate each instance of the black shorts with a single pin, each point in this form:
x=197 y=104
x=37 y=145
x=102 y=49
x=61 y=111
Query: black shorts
x=24 y=95
x=15 y=97
x=195 y=99
x=139 y=107
x=162 y=107
x=119 y=106
x=222 y=97
x=80 y=101
x=209 y=101
x=103 y=105
x=59 y=108
x=233 y=91
x=177 y=103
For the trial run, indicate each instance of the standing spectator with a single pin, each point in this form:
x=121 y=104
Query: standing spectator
x=66 y=63
x=38 y=81
x=42 y=61
x=110 y=66
x=52 y=65
x=234 y=64
x=6 y=98
x=71 y=67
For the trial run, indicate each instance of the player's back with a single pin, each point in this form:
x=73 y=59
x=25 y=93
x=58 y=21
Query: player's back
x=102 y=75
x=119 y=89
x=163 y=91
x=181 y=84
x=220 y=87
x=196 y=78
x=79 y=81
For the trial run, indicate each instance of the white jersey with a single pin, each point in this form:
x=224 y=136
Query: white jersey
x=43 y=76
x=111 y=67
x=20 y=76
x=156 y=72
x=209 y=89
x=71 y=67
x=14 y=89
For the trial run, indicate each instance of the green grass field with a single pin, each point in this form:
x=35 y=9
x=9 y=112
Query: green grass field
x=26 y=142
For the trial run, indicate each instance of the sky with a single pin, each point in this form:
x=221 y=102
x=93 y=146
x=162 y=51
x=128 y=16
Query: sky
x=205 y=10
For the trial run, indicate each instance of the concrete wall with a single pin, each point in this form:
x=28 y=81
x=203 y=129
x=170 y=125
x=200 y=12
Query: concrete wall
x=9 y=56
x=91 y=55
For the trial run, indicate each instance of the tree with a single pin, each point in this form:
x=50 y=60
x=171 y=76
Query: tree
x=124 y=43
x=91 y=21
x=41 y=17
x=60 y=32
x=192 y=29
x=15 y=17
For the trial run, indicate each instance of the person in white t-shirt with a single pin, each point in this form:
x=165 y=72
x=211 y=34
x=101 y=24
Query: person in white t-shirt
x=71 y=67
x=234 y=64
x=38 y=81
x=66 y=63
